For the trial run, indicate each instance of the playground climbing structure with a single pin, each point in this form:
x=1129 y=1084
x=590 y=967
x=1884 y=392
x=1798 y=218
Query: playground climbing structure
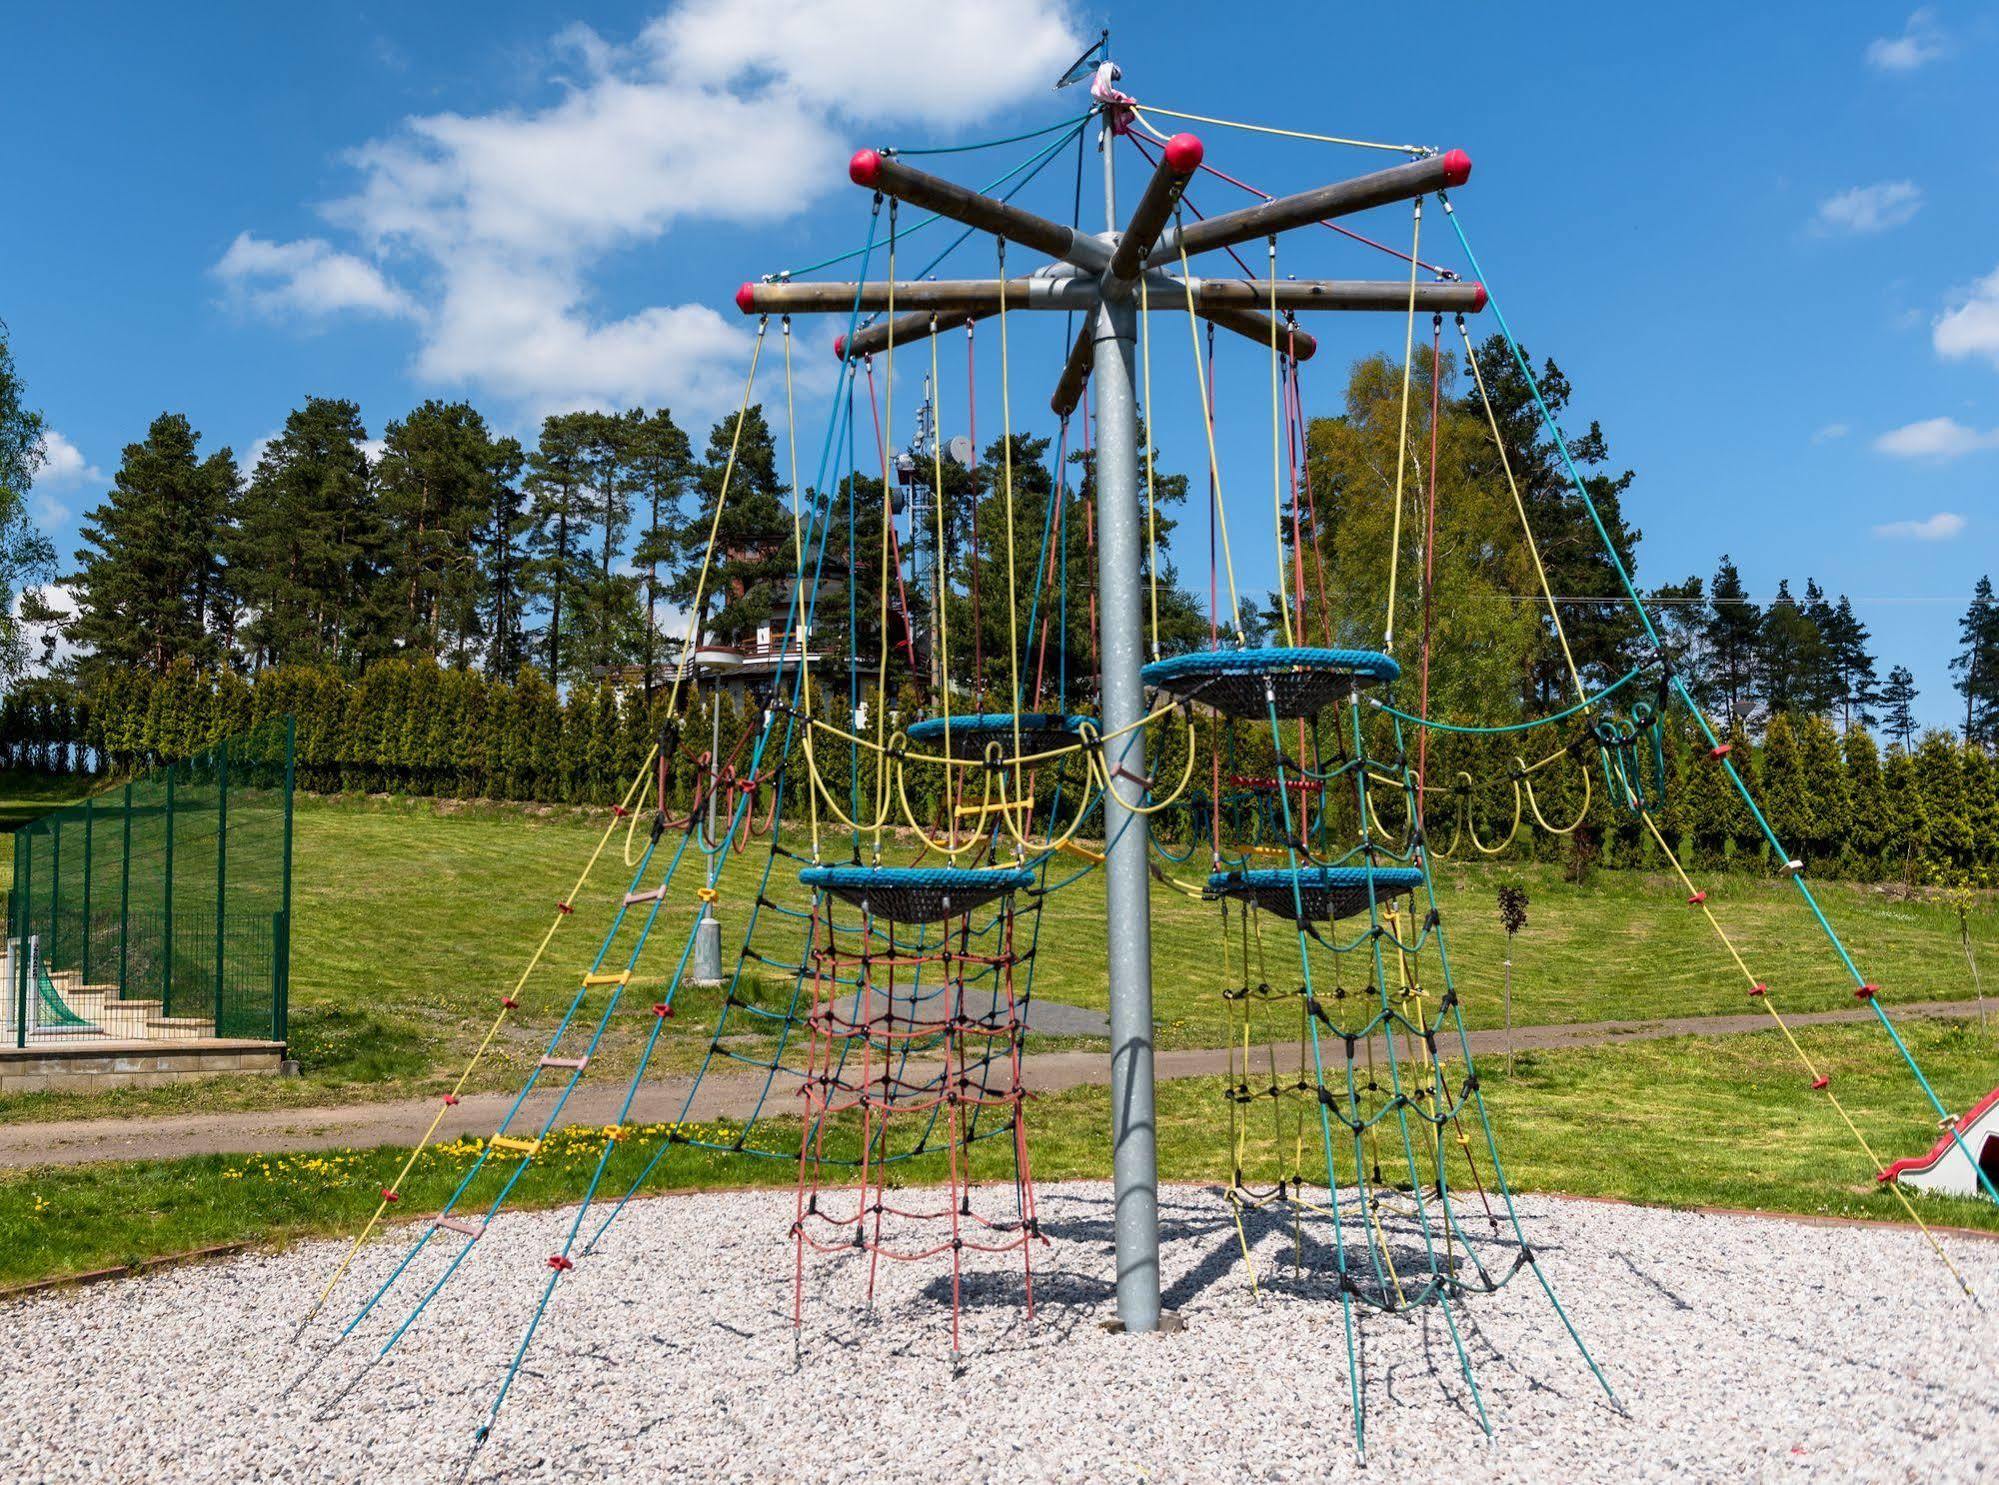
x=884 y=974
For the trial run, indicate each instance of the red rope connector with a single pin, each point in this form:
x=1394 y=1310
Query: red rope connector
x=1759 y=988
x=564 y=908
x=1882 y=1177
x=560 y=1263
x=1867 y=992
x=451 y=1100
x=662 y=1009
x=1821 y=1082
x=1697 y=899
x=390 y=1195
x=1720 y=751
x=508 y=1003
x=618 y=811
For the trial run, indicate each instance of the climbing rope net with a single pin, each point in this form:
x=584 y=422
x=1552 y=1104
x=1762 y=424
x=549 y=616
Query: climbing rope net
x=883 y=980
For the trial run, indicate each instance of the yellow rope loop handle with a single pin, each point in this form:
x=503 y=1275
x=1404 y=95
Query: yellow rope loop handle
x=950 y=846
x=1471 y=830
x=1527 y=782
x=1403 y=832
x=825 y=792
x=1109 y=786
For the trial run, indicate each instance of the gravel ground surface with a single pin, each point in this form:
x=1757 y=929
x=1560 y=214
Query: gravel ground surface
x=1743 y=1349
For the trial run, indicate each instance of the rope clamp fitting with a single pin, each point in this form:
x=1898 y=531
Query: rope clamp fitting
x=662 y=1010
x=561 y=1263
x=1697 y=899
x=1759 y=988
x=1821 y=1082
x=1867 y=992
x=391 y=1195
x=564 y=908
x=508 y=1003
x=450 y=1100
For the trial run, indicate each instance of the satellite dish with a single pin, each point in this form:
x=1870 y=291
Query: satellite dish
x=959 y=451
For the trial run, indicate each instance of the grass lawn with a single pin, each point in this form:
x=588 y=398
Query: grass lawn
x=412 y=918
x=1713 y=1121
x=25 y=795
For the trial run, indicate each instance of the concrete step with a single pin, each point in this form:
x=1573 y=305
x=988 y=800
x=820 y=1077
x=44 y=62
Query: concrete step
x=179 y=1026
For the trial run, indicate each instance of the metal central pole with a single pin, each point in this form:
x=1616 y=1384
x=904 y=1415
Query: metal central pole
x=1134 y=1144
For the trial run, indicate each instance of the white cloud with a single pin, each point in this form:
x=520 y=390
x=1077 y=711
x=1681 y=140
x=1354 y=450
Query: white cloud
x=306 y=278
x=48 y=648
x=1972 y=328
x=1922 y=41
x=1830 y=432
x=1865 y=209
x=1940 y=527
x=1935 y=438
x=485 y=230
x=63 y=463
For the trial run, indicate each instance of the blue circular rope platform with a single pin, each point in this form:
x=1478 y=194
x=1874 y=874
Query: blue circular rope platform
x=917 y=894
x=1322 y=892
x=1040 y=732
x=1301 y=681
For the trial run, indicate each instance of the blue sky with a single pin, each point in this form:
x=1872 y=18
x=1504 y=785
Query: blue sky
x=1764 y=247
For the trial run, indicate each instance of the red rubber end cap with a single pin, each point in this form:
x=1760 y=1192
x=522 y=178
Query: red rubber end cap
x=1478 y=300
x=865 y=168
x=839 y=348
x=746 y=298
x=1183 y=153
x=1457 y=167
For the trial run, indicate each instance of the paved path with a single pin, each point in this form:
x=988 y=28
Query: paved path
x=734 y=1095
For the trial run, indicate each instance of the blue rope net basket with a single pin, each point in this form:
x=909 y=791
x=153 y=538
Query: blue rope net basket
x=917 y=894
x=1040 y=732
x=1316 y=893
x=1302 y=681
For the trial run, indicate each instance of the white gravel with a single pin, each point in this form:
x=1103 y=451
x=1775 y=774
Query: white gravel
x=1743 y=1349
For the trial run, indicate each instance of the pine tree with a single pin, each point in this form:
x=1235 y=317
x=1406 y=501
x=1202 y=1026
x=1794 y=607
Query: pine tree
x=1867 y=807
x=1908 y=834
x=502 y=541
x=1980 y=777
x=661 y=460
x=1734 y=624
x=1976 y=666
x=149 y=580
x=434 y=480
x=305 y=549
x=1827 y=791
x=1940 y=785
x=1857 y=689
x=1898 y=703
x=747 y=585
x=1791 y=655
x=610 y=600
x=1786 y=800
x=558 y=474
x=1602 y=631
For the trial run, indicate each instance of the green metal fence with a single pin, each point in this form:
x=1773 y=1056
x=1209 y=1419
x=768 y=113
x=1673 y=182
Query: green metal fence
x=160 y=909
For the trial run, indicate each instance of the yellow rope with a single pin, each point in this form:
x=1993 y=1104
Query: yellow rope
x=1533 y=547
x=1006 y=475
x=485 y=1043
x=1214 y=464
x=1402 y=438
x=942 y=626
x=1363 y=144
x=1811 y=1067
x=798 y=574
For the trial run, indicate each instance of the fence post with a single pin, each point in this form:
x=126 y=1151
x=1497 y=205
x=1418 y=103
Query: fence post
x=89 y=832
x=125 y=892
x=167 y=889
x=55 y=884
x=282 y=931
x=221 y=865
x=24 y=883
